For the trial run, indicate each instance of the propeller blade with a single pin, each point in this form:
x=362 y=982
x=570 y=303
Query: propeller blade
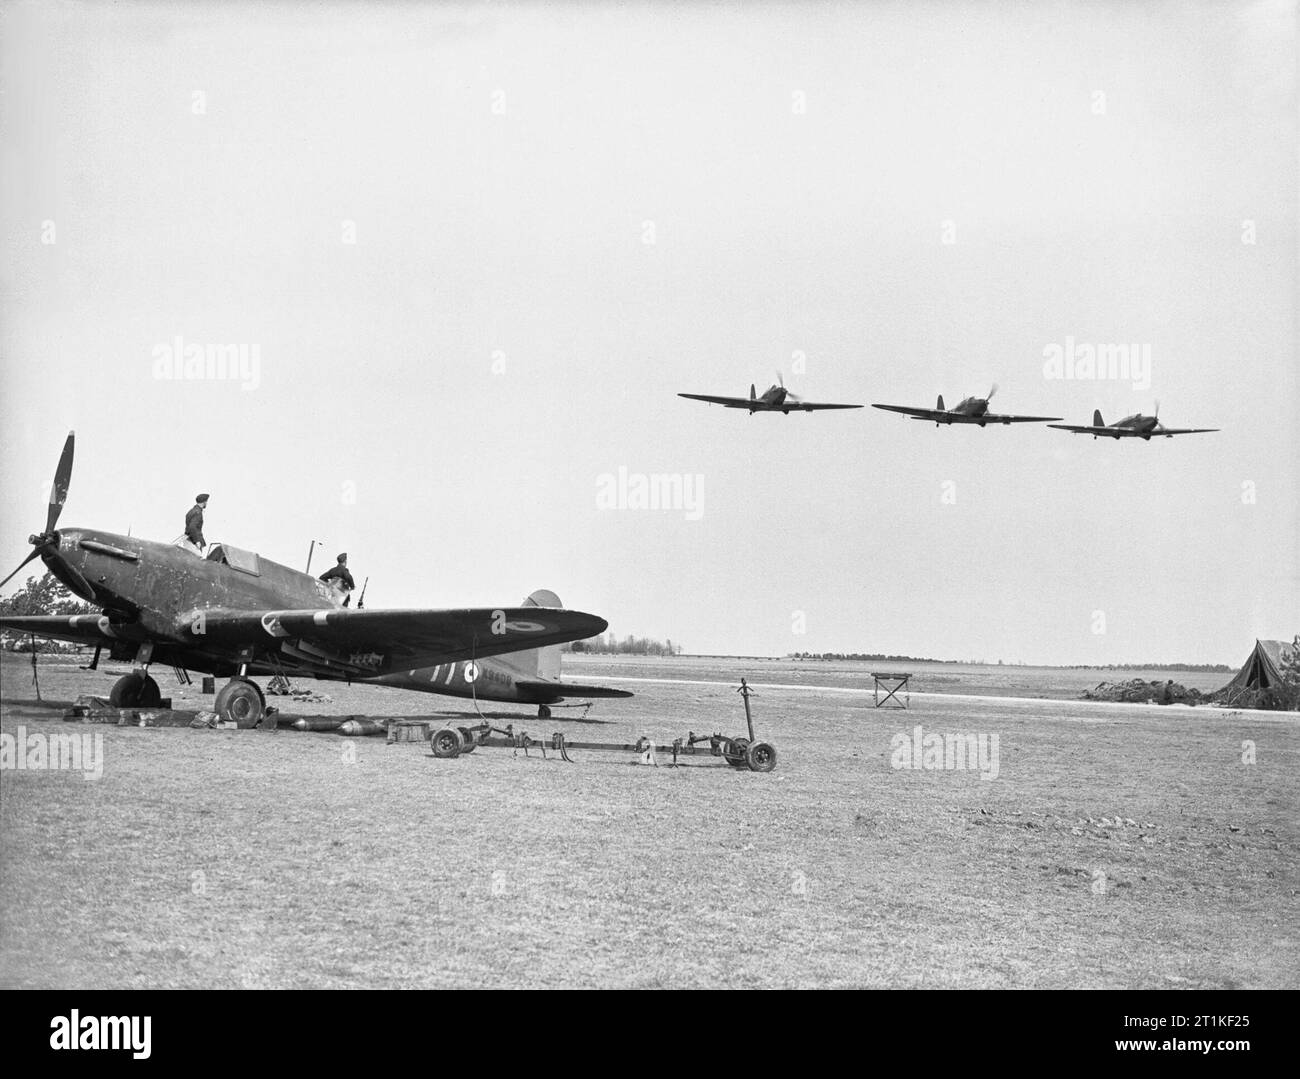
x=1157 y=408
x=21 y=564
x=62 y=477
x=780 y=380
x=992 y=390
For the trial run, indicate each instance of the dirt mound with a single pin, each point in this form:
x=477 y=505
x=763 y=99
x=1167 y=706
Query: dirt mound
x=1136 y=691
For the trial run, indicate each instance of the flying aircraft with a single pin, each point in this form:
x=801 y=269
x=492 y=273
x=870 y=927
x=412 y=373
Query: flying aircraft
x=971 y=410
x=235 y=614
x=1137 y=426
x=774 y=399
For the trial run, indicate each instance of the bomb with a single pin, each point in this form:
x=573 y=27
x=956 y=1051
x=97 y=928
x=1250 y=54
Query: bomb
x=319 y=723
x=355 y=728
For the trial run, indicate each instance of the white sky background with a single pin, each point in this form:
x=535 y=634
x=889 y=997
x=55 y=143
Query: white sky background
x=775 y=232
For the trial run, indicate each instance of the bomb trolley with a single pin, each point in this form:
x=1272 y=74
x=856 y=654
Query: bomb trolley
x=738 y=752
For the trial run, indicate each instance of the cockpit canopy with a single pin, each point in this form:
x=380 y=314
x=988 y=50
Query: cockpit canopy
x=235 y=558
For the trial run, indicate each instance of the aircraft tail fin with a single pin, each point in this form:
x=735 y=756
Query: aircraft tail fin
x=545 y=662
x=752 y=395
x=939 y=407
x=1096 y=418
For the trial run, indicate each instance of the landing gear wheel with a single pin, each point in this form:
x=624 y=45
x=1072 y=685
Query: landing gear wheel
x=543 y=711
x=761 y=757
x=135 y=690
x=241 y=701
x=447 y=743
x=469 y=743
x=734 y=752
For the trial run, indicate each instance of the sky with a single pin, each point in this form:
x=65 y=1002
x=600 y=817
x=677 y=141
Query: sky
x=470 y=254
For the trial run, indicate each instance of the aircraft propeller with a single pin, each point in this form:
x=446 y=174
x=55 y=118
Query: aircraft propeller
x=788 y=395
x=992 y=390
x=46 y=545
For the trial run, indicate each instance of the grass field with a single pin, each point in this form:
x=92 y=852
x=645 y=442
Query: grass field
x=1119 y=846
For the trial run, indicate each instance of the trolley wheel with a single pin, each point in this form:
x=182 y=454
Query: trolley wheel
x=469 y=742
x=135 y=690
x=734 y=751
x=761 y=757
x=447 y=743
x=240 y=700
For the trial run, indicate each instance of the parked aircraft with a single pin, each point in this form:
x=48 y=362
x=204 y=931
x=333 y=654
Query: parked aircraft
x=236 y=614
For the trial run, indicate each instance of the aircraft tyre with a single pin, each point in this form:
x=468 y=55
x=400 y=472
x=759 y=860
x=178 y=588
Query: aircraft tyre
x=241 y=702
x=761 y=757
x=543 y=711
x=447 y=743
x=135 y=690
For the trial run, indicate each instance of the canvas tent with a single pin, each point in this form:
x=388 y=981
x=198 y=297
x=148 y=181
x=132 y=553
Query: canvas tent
x=1262 y=670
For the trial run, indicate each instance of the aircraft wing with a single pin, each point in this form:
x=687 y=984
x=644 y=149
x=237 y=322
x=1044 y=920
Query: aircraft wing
x=382 y=640
x=1164 y=431
x=78 y=628
x=992 y=418
x=1082 y=429
x=727 y=402
x=918 y=413
x=810 y=406
x=545 y=691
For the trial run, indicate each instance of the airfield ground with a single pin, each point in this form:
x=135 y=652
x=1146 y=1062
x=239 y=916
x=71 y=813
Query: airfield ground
x=1119 y=846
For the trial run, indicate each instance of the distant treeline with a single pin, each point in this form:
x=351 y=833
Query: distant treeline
x=873 y=656
x=877 y=657
x=608 y=644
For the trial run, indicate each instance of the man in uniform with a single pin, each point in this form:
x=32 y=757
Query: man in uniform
x=345 y=577
x=194 y=523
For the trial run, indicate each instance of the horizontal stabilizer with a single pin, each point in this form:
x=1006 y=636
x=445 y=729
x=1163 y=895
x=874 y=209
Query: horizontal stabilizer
x=543 y=692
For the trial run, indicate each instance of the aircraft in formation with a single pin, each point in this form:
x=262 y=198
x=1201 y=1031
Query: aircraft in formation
x=236 y=614
x=775 y=398
x=1136 y=426
x=970 y=410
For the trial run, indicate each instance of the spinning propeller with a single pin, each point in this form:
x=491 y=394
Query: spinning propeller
x=788 y=395
x=46 y=545
x=992 y=390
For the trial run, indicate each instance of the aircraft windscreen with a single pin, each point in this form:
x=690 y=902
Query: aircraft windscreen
x=235 y=558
